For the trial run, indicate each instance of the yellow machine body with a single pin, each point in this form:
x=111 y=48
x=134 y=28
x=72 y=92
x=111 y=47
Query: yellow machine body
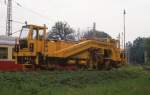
x=36 y=49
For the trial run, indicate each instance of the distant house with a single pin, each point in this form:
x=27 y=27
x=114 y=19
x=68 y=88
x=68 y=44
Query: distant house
x=7 y=44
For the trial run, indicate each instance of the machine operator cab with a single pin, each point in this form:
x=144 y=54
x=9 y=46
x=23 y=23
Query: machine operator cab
x=31 y=37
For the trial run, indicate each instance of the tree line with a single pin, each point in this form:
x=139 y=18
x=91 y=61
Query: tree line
x=138 y=52
x=63 y=31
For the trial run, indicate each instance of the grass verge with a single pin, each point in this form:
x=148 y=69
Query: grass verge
x=128 y=80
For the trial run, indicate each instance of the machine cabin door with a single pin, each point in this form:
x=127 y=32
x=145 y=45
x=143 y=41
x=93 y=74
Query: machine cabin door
x=38 y=39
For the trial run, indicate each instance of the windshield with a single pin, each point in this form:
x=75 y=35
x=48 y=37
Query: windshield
x=24 y=33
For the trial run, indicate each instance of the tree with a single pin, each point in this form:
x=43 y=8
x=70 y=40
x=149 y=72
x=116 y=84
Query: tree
x=136 y=51
x=147 y=49
x=128 y=49
x=61 y=31
x=96 y=34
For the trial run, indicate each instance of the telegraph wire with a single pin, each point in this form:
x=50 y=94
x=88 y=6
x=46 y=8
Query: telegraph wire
x=32 y=11
x=15 y=32
x=18 y=22
x=28 y=9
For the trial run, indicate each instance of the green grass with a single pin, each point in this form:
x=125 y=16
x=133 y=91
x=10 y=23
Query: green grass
x=128 y=80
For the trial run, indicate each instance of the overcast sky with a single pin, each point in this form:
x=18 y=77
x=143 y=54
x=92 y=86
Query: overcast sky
x=108 y=15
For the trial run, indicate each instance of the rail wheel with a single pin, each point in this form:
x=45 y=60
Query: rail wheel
x=107 y=64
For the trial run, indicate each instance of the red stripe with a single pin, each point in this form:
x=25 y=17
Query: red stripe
x=10 y=66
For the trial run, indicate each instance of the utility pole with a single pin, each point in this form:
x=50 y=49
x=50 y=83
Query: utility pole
x=9 y=18
x=94 y=26
x=94 y=29
x=119 y=41
x=78 y=34
x=124 y=15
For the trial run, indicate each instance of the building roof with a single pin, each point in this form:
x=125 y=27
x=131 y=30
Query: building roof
x=7 y=40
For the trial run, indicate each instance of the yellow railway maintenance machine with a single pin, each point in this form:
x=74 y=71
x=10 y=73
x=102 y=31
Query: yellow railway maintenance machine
x=33 y=49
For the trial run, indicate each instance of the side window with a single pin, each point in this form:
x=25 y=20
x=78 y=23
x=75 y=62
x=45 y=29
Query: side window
x=3 y=53
x=38 y=34
x=34 y=34
x=41 y=34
